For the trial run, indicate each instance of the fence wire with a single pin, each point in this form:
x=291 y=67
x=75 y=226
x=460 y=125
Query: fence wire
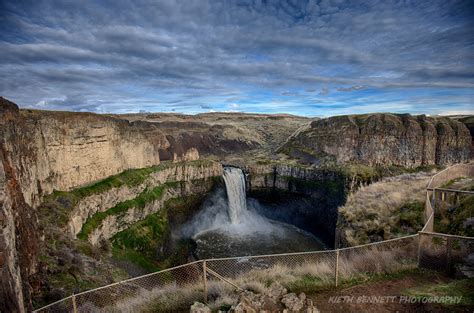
x=217 y=281
x=255 y=272
x=380 y=257
x=447 y=253
x=166 y=291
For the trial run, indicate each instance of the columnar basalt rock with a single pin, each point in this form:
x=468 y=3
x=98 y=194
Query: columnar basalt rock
x=384 y=139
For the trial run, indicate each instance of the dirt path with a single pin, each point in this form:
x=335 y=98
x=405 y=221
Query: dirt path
x=394 y=293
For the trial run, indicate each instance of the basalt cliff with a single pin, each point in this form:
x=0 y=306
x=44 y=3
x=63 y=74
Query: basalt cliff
x=94 y=176
x=382 y=139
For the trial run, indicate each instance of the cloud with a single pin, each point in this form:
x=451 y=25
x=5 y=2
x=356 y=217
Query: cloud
x=324 y=91
x=352 y=88
x=193 y=55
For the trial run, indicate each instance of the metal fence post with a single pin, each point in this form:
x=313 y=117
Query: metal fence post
x=419 y=249
x=337 y=267
x=74 y=304
x=449 y=245
x=204 y=279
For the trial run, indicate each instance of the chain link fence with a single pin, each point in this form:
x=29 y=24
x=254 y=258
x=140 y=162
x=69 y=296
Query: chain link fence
x=434 y=194
x=169 y=290
x=217 y=281
x=452 y=254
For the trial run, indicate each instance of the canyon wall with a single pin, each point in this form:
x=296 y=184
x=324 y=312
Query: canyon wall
x=305 y=197
x=383 y=139
x=67 y=150
x=46 y=151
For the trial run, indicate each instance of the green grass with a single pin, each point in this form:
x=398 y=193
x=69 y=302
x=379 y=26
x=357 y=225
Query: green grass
x=410 y=219
x=451 y=182
x=132 y=177
x=458 y=288
x=307 y=283
x=140 y=201
x=141 y=242
x=136 y=258
x=145 y=235
x=310 y=284
x=451 y=221
x=62 y=202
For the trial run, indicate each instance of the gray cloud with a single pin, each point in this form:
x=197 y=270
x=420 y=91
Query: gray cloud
x=352 y=88
x=324 y=91
x=200 y=54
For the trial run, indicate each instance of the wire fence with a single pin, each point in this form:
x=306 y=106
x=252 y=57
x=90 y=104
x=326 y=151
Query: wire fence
x=218 y=281
x=434 y=192
x=447 y=253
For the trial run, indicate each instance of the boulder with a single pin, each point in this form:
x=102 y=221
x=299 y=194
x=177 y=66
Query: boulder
x=199 y=307
x=292 y=302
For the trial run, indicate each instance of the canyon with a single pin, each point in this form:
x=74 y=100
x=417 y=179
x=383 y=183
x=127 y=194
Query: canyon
x=91 y=177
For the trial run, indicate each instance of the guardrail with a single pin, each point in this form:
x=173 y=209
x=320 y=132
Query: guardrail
x=214 y=280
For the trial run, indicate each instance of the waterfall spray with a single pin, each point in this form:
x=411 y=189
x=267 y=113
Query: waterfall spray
x=235 y=185
x=231 y=226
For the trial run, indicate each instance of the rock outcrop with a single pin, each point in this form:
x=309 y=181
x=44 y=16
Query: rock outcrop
x=185 y=179
x=274 y=299
x=383 y=139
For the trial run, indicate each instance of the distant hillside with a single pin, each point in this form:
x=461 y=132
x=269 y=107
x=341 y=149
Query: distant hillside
x=221 y=133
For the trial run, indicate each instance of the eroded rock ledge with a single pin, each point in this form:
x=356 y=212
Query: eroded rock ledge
x=115 y=209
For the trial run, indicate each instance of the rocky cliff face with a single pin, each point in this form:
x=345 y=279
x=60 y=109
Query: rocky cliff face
x=44 y=151
x=73 y=149
x=383 y=139
x=18 y=223
x=305 y=197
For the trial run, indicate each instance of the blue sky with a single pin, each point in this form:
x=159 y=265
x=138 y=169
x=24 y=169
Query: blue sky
x=308 y=57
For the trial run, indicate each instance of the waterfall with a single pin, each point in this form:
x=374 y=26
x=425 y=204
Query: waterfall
x=235 y=185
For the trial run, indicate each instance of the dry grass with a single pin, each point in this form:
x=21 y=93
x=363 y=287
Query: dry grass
x=297 y=273
x=380 y=258
x=373 y=212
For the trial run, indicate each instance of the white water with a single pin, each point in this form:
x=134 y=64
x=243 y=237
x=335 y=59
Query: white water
x=235 y=185
x=229 y=226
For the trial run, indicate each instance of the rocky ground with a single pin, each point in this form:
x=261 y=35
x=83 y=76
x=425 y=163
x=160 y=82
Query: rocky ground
x=277 y=299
